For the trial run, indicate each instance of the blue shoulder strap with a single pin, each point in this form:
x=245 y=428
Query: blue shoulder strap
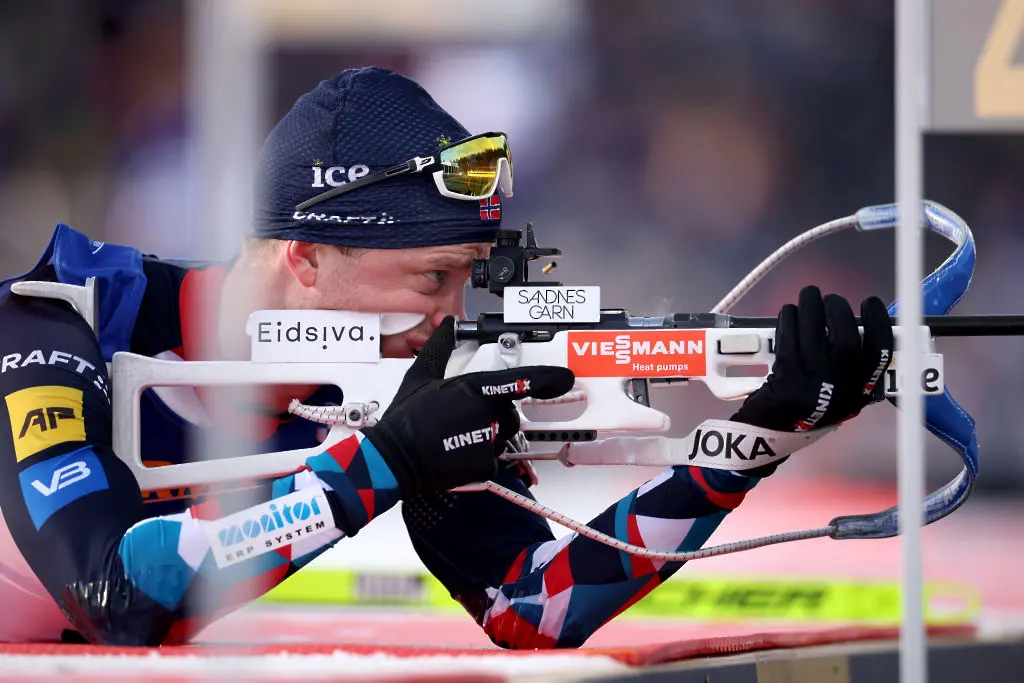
x=120 y=281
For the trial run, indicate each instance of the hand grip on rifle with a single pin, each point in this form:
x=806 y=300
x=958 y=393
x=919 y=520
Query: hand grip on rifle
x=825 y=371
x=440 y=433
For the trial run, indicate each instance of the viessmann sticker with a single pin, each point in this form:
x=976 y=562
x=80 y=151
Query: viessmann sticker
x=637 y=353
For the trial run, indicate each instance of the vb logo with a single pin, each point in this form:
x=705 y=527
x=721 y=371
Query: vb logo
x=45 y=419
x=63 y=477
x=51 y=484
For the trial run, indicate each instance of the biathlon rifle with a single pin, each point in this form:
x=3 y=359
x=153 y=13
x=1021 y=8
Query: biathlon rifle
x=617 y=359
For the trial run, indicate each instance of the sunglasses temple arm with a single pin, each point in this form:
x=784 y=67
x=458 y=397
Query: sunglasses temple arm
x=398 y=169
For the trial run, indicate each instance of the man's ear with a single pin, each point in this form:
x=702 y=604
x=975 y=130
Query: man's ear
x=302 y=260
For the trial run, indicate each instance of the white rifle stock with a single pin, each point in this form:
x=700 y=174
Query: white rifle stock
x=615 y=408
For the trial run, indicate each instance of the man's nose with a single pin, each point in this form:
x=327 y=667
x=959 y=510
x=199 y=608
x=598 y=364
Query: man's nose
x=452 y=304
x=440 y=315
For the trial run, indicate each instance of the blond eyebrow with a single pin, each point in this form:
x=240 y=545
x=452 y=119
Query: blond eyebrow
x=457 y=258
x=454 y=261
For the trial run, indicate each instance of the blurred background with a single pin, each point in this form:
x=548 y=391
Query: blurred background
x=665 y=147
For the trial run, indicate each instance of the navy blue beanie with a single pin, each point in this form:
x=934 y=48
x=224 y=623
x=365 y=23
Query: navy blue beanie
x=362 y=121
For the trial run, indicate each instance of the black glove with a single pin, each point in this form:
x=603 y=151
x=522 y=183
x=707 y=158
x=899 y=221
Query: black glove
x=824 y=372
x=442 y=433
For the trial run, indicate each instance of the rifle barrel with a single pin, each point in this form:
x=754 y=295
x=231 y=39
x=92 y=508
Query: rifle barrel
x=940 y=325
x=489 y=326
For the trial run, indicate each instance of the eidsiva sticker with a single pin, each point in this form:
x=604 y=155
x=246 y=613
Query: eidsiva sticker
x=44 y=416
x=637 y=353
x=314 y=336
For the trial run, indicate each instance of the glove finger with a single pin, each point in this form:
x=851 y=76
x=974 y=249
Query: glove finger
x=787 y=342
x=811 y=331
x=844 y=337
x=538 y=381
x=878 y=342
x=433 y=358
x=508 y=427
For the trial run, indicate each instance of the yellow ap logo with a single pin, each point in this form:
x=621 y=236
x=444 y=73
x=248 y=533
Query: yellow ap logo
x=44 y=416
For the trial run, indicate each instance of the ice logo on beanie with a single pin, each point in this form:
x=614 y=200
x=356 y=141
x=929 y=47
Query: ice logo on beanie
x=336 y=175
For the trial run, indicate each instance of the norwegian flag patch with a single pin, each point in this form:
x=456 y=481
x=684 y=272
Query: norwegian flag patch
x=490 y=208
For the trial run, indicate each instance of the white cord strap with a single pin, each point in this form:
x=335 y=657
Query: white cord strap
x=640 y=551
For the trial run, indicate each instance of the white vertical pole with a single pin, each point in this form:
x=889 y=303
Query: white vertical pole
x=225 y=69
x=910 y=106
x=225 y=115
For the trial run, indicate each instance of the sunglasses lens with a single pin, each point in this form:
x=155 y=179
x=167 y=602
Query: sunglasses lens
x=471 y=168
